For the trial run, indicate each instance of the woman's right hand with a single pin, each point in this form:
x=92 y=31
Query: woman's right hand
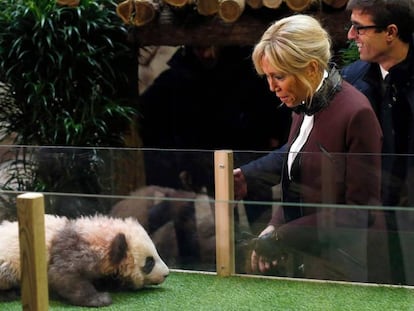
x=240 y=185
x=260 y=263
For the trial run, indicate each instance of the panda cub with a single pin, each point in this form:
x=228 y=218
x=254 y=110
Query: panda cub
x=82 y=254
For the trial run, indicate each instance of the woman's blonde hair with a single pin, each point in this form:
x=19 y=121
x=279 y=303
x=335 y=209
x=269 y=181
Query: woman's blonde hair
x=291 y=43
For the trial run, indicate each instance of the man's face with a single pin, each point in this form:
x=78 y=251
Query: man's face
x=372 y=42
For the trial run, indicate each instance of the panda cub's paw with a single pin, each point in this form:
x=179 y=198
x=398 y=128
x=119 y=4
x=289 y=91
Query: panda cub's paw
x=98 y=300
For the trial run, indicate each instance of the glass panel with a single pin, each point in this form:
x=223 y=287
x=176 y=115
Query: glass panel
x=340 y=233
x=170 y=192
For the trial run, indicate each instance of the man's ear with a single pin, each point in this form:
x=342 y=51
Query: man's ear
x=392 y=31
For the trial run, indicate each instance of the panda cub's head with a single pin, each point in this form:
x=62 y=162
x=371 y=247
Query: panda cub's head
x=135 y=257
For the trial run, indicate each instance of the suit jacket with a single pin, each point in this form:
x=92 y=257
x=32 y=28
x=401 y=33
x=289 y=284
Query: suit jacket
x=366 y=77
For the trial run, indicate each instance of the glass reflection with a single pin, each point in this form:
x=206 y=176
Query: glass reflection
x=328 y=240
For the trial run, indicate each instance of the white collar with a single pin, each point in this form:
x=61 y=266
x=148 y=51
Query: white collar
x=325 y=75
x=383 y=72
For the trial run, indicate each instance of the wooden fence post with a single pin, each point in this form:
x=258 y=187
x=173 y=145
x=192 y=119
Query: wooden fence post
x=33 y=265
x=224 y=212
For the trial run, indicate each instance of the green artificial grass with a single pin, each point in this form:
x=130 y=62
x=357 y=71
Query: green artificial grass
x=196 y=291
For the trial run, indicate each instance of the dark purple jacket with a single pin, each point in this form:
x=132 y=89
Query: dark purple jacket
x=339 y=164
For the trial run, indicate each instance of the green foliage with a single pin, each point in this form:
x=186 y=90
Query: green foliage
x=66 y=75
x=349 y=54
x=65 y=72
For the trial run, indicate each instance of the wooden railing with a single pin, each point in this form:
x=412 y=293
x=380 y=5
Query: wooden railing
x=33 y=263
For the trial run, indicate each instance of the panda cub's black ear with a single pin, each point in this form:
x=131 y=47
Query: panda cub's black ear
x=118 y=249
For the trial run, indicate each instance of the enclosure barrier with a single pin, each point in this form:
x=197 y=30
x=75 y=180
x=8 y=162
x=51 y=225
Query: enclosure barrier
x=30 y=213
x=33 y=264
x=224 y=215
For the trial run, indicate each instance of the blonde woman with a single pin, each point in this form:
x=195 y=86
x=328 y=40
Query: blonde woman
x=332 y=123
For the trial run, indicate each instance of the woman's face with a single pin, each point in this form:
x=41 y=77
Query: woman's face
x=289 y=89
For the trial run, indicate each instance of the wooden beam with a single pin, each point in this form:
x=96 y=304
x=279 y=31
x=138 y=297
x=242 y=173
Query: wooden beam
x=33 y=263
x=224 y=212
x=174 y=28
